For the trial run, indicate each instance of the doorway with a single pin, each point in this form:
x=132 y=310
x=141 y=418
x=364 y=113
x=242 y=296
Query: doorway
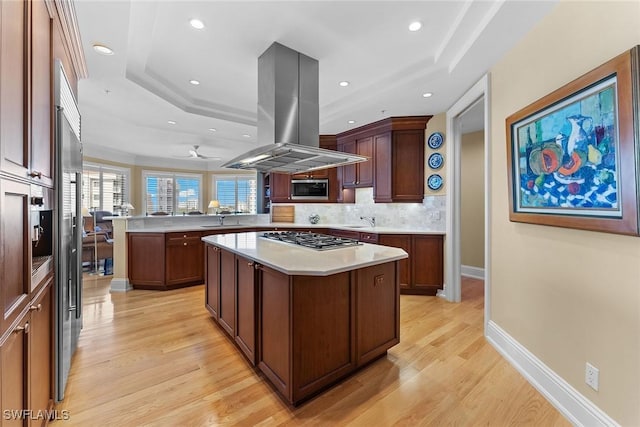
x=479 y=93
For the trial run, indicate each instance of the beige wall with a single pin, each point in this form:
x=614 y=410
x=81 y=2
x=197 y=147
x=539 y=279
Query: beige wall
x=472 y=199
x=438 y=123
x=568 y=296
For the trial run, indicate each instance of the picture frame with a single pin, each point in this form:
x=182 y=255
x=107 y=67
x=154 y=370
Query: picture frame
x=572 y=156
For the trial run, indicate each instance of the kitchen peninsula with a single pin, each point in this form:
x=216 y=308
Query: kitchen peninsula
x=303 y=317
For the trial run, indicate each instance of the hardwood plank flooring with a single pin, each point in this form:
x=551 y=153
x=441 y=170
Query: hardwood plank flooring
x=156 y=358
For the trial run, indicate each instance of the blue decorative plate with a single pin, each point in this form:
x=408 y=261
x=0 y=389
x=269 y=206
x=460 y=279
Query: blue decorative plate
x=435 y=140
x=435 y=161
x=434 y=182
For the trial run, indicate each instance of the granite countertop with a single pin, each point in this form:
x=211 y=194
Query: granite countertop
x=297 y=260
x=355 y=227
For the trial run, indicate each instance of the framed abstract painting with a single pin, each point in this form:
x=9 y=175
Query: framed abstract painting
x=572 y=155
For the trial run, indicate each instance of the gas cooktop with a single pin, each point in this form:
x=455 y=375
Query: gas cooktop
x=320 y=242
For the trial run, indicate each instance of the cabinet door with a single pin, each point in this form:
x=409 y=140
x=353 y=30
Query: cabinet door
x=280 y=187
x=41 y=94
x=349 y=175
x=15 y=250
x=184 y=258
x=377 y=311
x=13 y=81
x=14 y=353
x=274 y=352
x=402 y=241
x=40 y=354
x=382 y=190
x=212 y=290
x=407 y=168
x=246 y=308
x=227 y=314
x=364 y=175
x=146 y=259
x=427 y=263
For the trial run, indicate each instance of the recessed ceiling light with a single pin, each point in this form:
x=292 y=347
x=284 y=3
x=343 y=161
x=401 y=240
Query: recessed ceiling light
x=171 y=122
x=351 y=122
x=426 y=94
x=344 y=83
x=197 y=24
x=246 y=135
x=194 y=82
x=415 y=26
x=212 y=129
x=102 y=49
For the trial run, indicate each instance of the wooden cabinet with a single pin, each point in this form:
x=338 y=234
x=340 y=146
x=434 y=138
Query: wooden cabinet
x=14 y=356
x=245 y=334
x=212 y=276
x=146 y=253
x=162 y=261
x=26 y=361
x=26 y=96
x=378 y=321
x=358 y=174
x=427 y=266
x=396 y=169
x=14 y=81
x=15 y=251
x=41 y=94
x=41 y=350
x=402 y=241
x=348 y=234
x=227 y=312
x=184 y=254
x=399 y=162
x=422 y=272
x=280 y=186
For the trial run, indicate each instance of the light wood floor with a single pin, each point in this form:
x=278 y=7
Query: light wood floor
x=156 y=358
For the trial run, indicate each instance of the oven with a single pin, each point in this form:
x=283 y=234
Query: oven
x=310 y=189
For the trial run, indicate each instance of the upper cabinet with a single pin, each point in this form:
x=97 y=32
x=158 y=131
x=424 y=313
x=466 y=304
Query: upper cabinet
x=32 y=34
x=396 y=166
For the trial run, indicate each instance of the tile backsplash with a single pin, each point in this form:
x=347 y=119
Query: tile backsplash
x=428 y=215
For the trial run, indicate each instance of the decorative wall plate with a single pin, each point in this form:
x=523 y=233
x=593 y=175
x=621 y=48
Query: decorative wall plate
x=435 y=161
x=435 y=140
x=434 y=182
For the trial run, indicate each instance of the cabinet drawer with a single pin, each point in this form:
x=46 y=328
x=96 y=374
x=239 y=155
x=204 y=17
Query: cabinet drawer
x=369 y=237
x=188 y=237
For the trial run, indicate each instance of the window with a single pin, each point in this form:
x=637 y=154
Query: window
x=236 y=193
x=172 y=193
x=104 y=188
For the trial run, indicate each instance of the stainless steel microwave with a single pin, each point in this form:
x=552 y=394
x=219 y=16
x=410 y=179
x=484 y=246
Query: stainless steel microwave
x=310 y=189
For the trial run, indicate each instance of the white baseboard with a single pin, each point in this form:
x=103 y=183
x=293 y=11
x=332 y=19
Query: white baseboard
x=469 y=271
x=579 y=410
x=120 y=285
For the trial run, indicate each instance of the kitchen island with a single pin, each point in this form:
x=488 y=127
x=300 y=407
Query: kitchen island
x=304 y=318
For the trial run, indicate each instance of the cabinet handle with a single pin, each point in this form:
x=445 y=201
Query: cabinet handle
x=357 y=182
x=36 y=307
x=353 y=182
x=35 y=174
x=250 y=264
x=185 y=236
x=24 y=328
x=185 y=243
x=257 y=266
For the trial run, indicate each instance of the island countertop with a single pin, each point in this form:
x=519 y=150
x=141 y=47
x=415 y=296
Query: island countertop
x=298 y=260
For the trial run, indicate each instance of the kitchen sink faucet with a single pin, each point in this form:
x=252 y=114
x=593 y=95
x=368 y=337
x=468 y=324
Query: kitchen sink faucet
x=370 y=219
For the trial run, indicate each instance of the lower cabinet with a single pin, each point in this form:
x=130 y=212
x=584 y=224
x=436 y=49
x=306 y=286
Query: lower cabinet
x=26 y=359
x=164 y=261
x=227 y=312
x=304 y=333
x=246 y=299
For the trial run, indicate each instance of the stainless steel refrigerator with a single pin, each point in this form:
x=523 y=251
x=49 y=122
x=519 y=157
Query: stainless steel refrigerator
x=68 y=238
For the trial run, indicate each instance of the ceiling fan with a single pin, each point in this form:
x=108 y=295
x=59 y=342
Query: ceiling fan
x=193 y=153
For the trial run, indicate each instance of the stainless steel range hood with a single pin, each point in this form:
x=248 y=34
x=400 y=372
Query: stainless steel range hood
x=288 y=117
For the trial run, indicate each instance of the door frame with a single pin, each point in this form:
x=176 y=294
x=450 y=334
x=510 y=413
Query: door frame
x=452 y=287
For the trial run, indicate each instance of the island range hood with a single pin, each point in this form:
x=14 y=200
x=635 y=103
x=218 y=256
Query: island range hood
x=288 y=117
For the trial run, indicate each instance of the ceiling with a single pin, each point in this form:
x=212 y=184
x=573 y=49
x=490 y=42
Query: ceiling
x=129 y=97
